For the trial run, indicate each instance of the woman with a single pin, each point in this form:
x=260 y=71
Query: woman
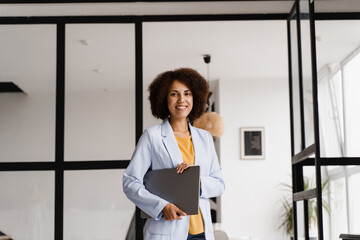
x=177 y=97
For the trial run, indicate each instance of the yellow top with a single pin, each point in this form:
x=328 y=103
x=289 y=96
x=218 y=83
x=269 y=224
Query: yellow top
x=187 y=150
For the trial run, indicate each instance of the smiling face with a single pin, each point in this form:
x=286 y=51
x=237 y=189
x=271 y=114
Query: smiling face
x=180 y=100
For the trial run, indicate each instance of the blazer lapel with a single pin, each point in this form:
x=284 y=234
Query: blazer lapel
x=170 y=143
x=196 y=141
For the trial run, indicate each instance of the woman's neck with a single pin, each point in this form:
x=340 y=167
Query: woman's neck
x=180 y=127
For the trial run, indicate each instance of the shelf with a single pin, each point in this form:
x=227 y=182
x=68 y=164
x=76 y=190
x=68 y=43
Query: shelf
x=331 y=161
x=305 y=195
x=303 y=155
x=349 y=237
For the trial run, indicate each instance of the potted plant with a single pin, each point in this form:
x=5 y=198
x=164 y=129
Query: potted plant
x=286 y=217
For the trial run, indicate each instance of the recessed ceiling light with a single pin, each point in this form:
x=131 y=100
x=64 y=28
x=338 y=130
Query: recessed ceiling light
x=97 y=70
x=84 y=42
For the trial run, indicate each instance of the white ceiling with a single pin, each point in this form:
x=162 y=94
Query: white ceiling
x=145 y=8
x=170 y=8
x=100 y=57
x=238 y=49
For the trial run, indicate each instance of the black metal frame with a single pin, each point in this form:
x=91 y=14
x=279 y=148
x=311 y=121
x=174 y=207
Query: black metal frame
x=59 y=135
x=301 y=159
x=293 y=168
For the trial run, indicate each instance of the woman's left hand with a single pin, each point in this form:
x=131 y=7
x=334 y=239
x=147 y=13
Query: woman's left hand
x=182 y=167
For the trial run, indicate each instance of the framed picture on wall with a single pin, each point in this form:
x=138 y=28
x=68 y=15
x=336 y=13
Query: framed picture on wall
x=252 y=143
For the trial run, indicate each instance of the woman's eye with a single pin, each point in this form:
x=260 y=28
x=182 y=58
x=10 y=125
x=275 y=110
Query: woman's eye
x=187 y=94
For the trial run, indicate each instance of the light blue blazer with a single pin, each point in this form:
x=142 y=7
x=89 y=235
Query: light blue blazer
x=157 y=148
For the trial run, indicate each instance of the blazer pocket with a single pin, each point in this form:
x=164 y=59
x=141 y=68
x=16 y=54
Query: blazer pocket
x=160 y=227
x=158 y=237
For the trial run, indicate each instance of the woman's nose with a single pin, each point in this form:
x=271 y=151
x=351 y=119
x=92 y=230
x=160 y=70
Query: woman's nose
x=181 y=98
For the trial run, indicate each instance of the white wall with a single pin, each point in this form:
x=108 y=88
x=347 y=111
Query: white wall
x=27 y=204
x=250 y=204
x=98 y=127
x=27 y=127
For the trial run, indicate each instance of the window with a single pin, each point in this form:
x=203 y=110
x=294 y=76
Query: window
x=339 y=132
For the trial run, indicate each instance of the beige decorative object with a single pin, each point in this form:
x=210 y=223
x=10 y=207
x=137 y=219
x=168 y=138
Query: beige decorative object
x=211 y=122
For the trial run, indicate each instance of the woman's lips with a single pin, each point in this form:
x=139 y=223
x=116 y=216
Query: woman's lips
x=181 y=107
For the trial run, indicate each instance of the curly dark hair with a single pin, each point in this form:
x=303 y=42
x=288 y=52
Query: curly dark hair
x=159 y=89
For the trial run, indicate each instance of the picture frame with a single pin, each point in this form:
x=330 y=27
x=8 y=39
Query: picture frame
x=252 y=143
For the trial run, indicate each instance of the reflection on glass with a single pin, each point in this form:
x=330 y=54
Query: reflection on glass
x=295 y=86
x=313 y=219
x=27 y=119
x=342 y=61
x=27 y=205
x=100 y=92
x=300 y=220
x=338 y=215
x=354 y=200
x=336 y=219
x=95 y=206
x=326 y=196
x=352 y=103
x=330 y=113
x=309 y=177
x=343 y=198
x=307 y=72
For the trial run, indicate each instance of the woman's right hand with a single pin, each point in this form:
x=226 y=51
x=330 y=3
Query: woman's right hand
x=171 y=212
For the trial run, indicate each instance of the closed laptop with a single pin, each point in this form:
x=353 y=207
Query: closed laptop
x=181 y=189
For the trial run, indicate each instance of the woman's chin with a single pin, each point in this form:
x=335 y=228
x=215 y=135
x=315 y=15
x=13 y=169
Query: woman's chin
x=180 y=116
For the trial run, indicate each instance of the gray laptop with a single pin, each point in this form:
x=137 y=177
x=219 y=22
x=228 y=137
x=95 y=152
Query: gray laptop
x=181 y=189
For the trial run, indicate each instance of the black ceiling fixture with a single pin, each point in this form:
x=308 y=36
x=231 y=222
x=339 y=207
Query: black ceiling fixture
x=6 y=87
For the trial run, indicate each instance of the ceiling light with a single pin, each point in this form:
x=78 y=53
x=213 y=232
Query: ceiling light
x=210 y=121
x=84 y=42
x=97 y=70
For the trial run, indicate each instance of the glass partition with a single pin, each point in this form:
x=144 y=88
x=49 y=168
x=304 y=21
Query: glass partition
x=313 y=219
x=100 y=92
x=354 y=199
x=342 y=197
x=309 y=177
x=27 y=116
x=338 y=61
x=300 y=220
x=352 y=102
x=330 y=113
x=27 y=205
x=337 y=198
x=95 y=206
x=306 y=63
x=296 y=111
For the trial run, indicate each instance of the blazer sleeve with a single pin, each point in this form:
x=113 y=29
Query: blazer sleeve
x=213 y=184
x=133 y=185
